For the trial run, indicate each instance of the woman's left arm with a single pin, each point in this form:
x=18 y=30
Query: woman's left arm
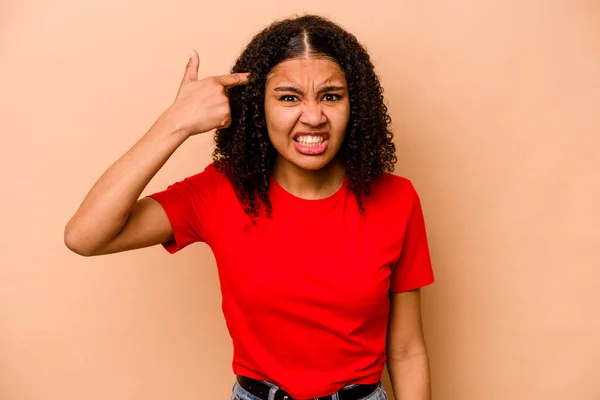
x=407 y=360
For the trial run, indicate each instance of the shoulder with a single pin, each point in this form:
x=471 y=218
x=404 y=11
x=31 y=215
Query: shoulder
x=391 y=195
x=207 y=183
x=209 y=176
x=393 y=186
x=393 y=199
x=210 y=171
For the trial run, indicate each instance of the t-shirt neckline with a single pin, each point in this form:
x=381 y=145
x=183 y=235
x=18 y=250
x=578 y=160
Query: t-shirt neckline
x=282 y=193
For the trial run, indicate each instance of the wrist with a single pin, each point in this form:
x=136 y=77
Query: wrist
x=171 y=123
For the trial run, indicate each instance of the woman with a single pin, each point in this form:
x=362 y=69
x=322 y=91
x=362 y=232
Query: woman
x=321 y=251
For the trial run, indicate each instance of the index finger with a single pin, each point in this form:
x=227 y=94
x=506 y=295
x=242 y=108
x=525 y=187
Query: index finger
x=231 y=80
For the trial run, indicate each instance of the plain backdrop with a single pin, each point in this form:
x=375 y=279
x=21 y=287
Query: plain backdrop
x=496 y=114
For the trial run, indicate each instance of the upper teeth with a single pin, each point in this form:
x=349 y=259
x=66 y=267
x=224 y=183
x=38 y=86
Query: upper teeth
x=310 y=139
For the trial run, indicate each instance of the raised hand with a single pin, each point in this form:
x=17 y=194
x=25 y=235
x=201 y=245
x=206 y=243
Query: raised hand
x=202 y=105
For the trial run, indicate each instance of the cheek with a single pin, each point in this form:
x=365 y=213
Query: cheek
x=282 y=120
x=338 y=119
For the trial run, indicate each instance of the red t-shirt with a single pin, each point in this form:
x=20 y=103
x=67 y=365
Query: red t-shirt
x=306 y=292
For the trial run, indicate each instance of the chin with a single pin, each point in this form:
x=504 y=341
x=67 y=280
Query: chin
x=311 y=163
x=314 y=163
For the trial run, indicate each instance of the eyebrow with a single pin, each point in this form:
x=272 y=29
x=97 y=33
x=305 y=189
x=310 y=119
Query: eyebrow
x=294 y=89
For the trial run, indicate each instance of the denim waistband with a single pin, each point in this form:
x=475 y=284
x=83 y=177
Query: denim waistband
x=239 y=393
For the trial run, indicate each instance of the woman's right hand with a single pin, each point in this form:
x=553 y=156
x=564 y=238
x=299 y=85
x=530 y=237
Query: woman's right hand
x=203 y=105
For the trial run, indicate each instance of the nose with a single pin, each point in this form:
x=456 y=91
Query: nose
x=312 y=114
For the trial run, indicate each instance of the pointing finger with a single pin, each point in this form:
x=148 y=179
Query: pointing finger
x=232 y=80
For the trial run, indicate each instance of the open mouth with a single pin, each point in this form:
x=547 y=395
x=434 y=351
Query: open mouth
x=311 y=143
x=306 y=140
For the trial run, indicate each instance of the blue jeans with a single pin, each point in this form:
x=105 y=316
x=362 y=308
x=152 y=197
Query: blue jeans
x=238 y=393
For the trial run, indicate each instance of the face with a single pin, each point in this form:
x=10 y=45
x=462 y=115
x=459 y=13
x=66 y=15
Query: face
x=307 y=108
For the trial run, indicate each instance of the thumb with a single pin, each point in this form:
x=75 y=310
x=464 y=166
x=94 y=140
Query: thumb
x=191 y=70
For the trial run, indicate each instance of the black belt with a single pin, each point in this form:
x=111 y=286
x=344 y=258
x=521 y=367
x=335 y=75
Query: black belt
x=261 y=390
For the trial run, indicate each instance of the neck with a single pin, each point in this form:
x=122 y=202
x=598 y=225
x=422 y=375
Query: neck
x=309 y=185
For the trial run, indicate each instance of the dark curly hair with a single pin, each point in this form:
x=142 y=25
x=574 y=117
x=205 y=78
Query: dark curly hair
x=243 y=149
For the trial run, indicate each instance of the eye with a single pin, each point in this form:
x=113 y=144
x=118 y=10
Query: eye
x=331 y=97
x=288 y=98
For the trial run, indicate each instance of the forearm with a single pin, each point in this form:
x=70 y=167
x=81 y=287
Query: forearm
x=410 y=376
x=108 y=204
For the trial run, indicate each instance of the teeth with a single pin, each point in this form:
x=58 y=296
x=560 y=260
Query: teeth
x=310 y=139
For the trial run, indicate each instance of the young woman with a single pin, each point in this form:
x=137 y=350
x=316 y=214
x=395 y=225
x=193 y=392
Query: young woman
x=321 y=251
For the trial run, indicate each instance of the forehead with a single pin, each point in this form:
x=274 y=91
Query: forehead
x=301 y=71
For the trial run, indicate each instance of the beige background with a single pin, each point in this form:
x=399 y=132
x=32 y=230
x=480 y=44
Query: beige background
x=496 y=109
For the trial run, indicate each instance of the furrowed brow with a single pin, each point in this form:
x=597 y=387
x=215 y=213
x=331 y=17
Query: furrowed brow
x=332 y=88
x=292 y=89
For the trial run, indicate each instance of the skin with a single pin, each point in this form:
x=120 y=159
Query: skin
x=407 y=359
x=302 y=96
x=113 y=219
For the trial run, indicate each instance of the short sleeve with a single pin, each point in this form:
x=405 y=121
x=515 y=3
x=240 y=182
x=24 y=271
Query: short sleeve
x=190 y=205
x=413 y=269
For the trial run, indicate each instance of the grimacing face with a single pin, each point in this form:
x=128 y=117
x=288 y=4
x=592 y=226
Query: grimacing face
x=307 y=108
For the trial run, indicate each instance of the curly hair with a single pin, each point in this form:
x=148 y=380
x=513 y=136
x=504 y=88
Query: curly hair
x=243 y=149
